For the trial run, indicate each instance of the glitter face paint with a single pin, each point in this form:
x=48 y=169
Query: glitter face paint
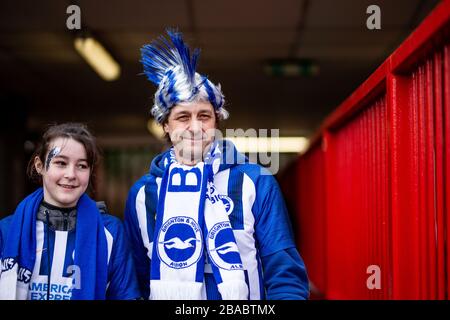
x=53 y=153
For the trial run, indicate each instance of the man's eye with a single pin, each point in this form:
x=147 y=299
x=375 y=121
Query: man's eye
x=204 y=117
x=60 y=163
x=183 y=118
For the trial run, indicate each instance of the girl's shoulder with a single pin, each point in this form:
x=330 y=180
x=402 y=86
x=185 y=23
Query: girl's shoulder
x=109 y=221
x=112 y=223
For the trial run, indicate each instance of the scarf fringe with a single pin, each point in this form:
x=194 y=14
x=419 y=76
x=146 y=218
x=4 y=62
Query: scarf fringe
x=233 y=290
x=12 y=289
x=176 y=290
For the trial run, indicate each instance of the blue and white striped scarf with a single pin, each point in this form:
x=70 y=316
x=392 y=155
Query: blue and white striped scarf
x=191 y=223
x=19 y=254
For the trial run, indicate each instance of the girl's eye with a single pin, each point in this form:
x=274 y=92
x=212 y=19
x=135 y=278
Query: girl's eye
x=83 y=166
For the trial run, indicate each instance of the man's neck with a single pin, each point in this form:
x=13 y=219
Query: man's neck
x=190 y=160
x=186 y=161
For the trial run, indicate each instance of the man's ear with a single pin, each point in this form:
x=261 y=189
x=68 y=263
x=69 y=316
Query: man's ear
x=166 y=127
x=38 y=165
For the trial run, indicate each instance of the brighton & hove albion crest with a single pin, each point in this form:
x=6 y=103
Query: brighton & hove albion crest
x=220 y=198
x=228 y=203
x=223 y=250
x=180 y=242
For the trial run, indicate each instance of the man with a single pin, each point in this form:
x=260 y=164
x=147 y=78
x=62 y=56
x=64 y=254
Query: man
x=205 y=223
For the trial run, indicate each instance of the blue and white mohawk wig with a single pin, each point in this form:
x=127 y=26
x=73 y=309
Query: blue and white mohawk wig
x=170 y=66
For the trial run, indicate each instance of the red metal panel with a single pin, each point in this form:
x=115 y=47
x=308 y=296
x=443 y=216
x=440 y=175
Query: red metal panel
x=418 y=187
x=311 y=218
x=405 y=190
x=358 y=217
x=440 y=177
x=385 y=208
x=427 y=192
x=420 y=174
x=430 y=191
x=414 y=189
x=336 y=285
x=446 y=155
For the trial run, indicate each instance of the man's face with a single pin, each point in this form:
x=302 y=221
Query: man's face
x=191 y=129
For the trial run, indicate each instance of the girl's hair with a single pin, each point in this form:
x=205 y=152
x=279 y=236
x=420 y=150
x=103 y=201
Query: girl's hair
x=76 y=131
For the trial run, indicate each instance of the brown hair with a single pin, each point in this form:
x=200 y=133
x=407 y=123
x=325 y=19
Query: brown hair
x=76 y=131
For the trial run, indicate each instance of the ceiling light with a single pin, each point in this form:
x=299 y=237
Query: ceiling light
x=268 y=144
x=98 y=58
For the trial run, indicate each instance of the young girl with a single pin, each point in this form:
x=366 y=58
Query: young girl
x=58 y=245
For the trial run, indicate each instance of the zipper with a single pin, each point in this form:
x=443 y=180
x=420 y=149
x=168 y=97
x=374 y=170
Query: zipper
x=49 y=267
x=65 y=225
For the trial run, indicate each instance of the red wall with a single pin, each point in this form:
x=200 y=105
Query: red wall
x=373 y=188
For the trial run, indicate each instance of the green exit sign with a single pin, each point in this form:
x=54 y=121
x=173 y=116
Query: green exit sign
x=291 y=68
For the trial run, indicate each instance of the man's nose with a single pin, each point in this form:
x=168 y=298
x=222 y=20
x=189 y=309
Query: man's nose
x=195 y=125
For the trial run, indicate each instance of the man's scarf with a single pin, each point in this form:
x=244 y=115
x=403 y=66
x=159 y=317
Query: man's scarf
x=192 y=223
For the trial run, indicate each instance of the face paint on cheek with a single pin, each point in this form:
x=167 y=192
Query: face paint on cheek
x=53 y=153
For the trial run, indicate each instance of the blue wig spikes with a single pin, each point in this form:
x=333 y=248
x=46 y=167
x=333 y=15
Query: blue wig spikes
x=161 y=55
x=169 y=65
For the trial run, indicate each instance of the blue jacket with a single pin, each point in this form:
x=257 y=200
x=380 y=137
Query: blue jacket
x=260 y=222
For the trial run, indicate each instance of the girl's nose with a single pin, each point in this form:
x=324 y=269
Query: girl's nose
x=70 y=172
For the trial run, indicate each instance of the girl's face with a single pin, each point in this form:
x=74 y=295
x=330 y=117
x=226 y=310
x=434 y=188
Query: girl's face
x=65 y=172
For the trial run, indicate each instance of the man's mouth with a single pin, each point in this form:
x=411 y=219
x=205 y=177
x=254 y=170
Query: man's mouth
x=193 y=139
